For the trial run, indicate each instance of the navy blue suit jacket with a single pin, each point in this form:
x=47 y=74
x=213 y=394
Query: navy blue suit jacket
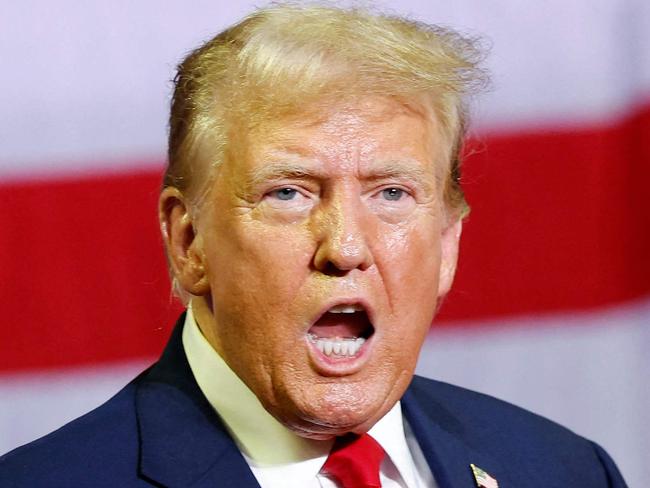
x=161 y=431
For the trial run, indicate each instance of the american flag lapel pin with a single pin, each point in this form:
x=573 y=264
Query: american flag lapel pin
x=483 y=480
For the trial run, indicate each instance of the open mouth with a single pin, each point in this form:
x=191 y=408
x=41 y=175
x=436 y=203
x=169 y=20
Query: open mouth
x=341 y=331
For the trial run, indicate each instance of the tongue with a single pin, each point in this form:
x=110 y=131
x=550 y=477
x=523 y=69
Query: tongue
x=340 y=325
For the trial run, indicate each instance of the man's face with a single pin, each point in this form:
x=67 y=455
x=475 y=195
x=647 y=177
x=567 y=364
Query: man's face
x=326 y=248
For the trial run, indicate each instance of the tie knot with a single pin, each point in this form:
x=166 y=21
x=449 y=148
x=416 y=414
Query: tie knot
x=354 y=461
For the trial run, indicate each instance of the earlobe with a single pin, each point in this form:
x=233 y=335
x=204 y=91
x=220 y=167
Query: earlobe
x=183 y=246
x=449 y=243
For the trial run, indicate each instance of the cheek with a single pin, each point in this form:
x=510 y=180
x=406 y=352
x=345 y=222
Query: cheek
x=275 y=251
x=410 y=271
x=261 y=267
x=410 y=255
x=263 y=271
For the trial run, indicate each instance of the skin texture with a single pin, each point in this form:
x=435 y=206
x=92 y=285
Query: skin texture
x=343 y=209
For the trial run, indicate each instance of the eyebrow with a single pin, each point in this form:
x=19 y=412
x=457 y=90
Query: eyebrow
x=302 y=170
x=281 y=170
x=397 y=169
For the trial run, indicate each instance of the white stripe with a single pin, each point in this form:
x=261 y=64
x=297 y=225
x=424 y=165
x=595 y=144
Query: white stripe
x=92 y=87
x=586 y=371
x=34 y=404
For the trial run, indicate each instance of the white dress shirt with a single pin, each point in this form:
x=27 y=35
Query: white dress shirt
x=288 y=460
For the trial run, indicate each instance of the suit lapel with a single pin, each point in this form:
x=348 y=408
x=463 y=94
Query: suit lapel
x=183 y=443
x=443 y=441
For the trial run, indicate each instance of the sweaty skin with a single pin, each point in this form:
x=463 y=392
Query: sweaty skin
x=344 y=210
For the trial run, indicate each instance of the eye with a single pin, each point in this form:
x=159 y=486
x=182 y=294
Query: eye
x=392 y=203
x=288 y=199
x=285 y=194
x=392 y=194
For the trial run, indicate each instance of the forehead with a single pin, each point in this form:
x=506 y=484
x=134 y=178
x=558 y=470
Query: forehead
x=368 y=131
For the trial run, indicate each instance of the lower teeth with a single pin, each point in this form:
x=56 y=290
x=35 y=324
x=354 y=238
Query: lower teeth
x=338 y=346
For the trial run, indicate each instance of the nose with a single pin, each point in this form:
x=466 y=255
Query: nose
x=341 y=232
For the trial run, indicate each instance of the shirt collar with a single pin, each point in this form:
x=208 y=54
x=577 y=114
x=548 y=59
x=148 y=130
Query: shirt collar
x=251 y=425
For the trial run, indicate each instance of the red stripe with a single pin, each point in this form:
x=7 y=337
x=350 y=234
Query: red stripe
x=560 y=222
x=83 y=277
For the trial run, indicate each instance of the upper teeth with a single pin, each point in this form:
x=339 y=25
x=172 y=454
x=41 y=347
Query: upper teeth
x=346 y=309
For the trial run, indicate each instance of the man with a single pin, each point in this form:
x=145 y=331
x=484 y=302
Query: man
x=311 y=213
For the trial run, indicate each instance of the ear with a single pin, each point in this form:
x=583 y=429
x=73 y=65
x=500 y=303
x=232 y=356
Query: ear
x=449 y=242
x=183 y=246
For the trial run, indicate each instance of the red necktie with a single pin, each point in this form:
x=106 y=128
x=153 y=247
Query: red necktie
x=354 y=462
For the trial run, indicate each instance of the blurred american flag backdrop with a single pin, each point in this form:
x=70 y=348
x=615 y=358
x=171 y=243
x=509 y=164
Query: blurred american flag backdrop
x=551 y=306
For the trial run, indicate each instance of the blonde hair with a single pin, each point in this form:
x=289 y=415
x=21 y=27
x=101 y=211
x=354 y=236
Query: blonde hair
x=284 y=59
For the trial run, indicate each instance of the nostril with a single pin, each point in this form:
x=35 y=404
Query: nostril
x=331 y=269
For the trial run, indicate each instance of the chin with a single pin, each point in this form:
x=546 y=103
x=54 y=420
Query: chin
x=339 y=410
